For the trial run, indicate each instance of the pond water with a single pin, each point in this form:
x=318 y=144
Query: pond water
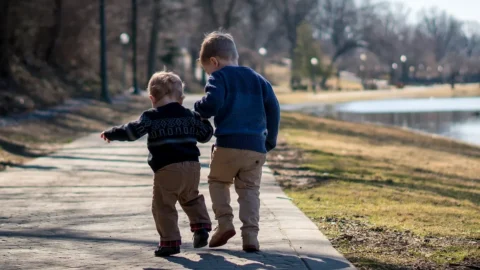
x=457 y=118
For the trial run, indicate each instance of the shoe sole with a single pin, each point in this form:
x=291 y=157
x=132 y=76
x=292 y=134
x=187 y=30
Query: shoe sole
x=250 y=248
x=166 y=255
x=223 y=239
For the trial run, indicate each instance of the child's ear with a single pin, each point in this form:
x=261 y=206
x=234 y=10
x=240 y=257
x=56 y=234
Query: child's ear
x=214 y=61
x=153 y=99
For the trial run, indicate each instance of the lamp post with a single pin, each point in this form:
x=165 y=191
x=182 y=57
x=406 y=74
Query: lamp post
x=262 y=51
x=314 y=62
x=363 y=58
x=392 y=73
x=134 y=46
x=440 y=71
x=411 y=70
x=124 y=40
x=103 y=53
x=403 y=59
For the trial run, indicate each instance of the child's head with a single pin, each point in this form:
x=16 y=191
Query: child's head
x=166 y=86
x=218 y=50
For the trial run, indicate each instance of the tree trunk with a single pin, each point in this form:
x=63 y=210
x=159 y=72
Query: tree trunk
x=54 y=32
x=326 y=75
x=152 y=51
x=4 y=33
x=193 y=62
x=103 y=52
x=292 y=56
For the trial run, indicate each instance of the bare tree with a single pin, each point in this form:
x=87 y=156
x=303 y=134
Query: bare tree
x=343 y=24
x=257 y=15
x=389 y=33
x=4 y=34
x=54 y=31
x=443 y=29
x=472 y=38
x=222 y=14
x=292 y=13
x=163 y=13
x=152 y=52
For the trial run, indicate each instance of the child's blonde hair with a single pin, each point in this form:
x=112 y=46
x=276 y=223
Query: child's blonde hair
x=165 y=83
x=218 y=44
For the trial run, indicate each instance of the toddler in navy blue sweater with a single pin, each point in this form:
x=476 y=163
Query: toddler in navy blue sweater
x=246 y=116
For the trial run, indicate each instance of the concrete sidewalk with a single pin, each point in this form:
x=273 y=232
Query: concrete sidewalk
x=88 y=207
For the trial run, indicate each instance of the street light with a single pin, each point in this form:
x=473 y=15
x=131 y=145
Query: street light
x=262 y=51
x=440 y=70
x=403 y=59
x=124 y=40
x=314 y=62
x=363 y=57
x=412 y=71
x=392 y=73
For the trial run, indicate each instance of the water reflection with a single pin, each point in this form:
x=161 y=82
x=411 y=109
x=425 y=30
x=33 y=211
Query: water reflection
x=458 y=118
x=458 y=125
x=468 y=131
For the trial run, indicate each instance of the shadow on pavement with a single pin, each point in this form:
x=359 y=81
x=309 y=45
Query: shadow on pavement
x=208 y=260
x=260 y=260
x=72 y=236
x=96 y=159
x=29 y=167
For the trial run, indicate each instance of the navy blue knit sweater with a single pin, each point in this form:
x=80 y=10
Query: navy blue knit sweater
x=245 y=109
x=173 y=132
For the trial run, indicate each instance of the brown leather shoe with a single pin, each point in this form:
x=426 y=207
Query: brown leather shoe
x=250 y=243
x=222 y=235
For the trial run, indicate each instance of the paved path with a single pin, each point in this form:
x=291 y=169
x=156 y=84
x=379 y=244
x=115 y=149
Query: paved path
x=88 y=207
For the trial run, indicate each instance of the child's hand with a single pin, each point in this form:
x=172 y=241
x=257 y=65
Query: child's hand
x=103 y=137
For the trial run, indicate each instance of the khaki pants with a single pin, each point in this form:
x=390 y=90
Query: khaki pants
x=172 y=183
x=243 y=168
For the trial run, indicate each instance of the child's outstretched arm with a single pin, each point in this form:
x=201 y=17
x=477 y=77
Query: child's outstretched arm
x=203 y=129
x=209 y=105
x=129 y=132
x=272 y=111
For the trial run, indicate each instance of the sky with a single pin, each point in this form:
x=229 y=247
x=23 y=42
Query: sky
x=468 y=10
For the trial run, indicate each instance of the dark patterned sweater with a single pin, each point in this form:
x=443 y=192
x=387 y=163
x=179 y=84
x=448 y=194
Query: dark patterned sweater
x=173 y=132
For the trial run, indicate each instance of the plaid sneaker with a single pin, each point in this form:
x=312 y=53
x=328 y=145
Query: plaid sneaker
x=168 y=248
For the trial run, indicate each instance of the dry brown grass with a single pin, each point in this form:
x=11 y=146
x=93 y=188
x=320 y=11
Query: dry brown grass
x=387 y=197
x=280 y=76
x=465 y=90
x=34 y=138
